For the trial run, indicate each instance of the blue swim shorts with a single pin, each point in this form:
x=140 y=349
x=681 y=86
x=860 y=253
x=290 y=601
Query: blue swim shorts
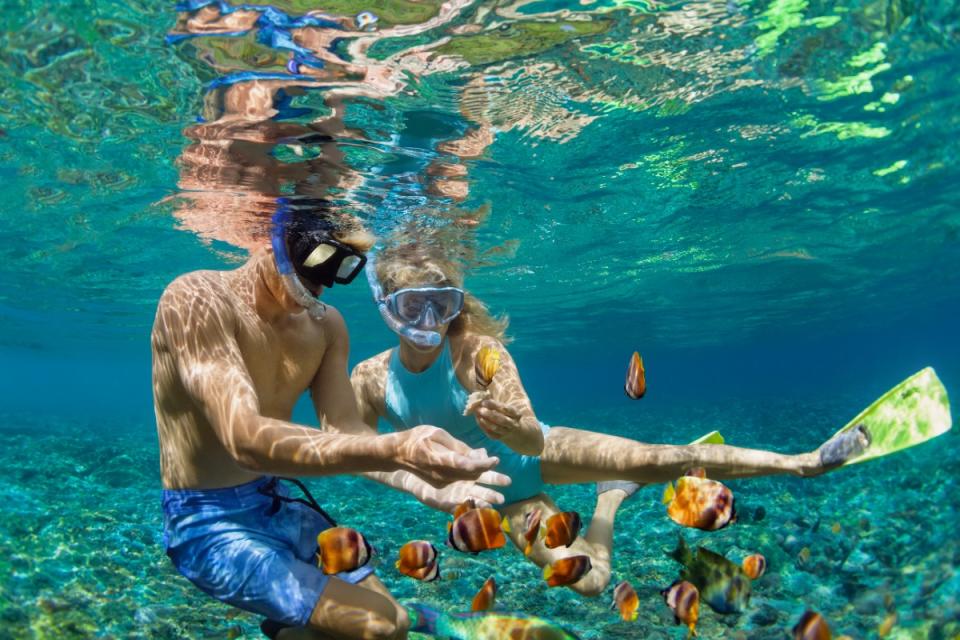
x=233 y=546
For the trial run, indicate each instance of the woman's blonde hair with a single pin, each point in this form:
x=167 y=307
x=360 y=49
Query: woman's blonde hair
x=418 y=264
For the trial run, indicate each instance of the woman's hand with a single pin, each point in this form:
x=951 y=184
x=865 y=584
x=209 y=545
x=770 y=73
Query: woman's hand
x=449 y=497
x=497 y=419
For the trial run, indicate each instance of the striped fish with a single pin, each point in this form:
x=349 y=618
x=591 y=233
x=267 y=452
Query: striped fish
x=567 y=570
x=562 y=529
x=485 y=597
x=811 y=626
x=418 y=559
x=477 y=530
x=754 y=566
x=683 y=598
x=342 y=549
x=700 y=503
x=636 y=384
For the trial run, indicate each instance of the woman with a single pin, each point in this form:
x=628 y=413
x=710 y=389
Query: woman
x=429 y=377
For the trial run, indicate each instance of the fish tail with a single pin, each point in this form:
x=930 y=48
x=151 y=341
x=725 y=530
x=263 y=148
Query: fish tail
x=528 y=549
x=547 y=572
x=423 y=619
x=682 y=553
x=668 y=493
x=505 y=524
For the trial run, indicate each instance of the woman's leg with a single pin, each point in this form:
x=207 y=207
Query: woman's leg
x=348 y=611
x=573 y=456
x=597 y=543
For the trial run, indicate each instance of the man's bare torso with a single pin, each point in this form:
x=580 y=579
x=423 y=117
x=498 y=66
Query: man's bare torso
x=280 y=357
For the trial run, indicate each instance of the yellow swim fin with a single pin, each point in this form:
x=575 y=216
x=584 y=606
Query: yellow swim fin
x=668 y=493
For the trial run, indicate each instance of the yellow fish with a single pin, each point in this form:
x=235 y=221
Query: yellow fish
x=485 y=597
x=486 y=366
x=626 y=600
x=342 y=549
x=700 y=503
x=636 y=384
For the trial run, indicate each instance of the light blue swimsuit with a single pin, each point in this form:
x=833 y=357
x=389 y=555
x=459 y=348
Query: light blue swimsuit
x=436 y=397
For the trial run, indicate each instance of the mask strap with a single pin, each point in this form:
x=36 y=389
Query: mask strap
x=316 y=309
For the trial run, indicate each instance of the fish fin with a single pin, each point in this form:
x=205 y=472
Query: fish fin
x=449 y=526
x=634 y=616
x=528 y=549
x=505 y=524
x=668 y=493
x=397 y=564
x=547 y=572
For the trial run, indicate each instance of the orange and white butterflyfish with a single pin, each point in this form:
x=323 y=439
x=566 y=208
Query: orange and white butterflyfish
x=531 y=529
x=463 y=507
x=625 y=599
x=477 y=530
x=485 y=597
x=561 y=529
x=754 y=566
x=486 y=365
x=684 y=600
x=418 y=559
x=636 y=384
x=700 y=503
x=342 y=549
x=567 y=570
x=811 y=626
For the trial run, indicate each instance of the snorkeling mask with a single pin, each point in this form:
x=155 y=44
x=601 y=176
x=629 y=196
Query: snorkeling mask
x=313 y=255
x=414 y=313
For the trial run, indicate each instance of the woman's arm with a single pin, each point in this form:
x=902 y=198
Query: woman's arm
x=506 y=414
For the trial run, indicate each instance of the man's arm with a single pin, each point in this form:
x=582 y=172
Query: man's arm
x=430 y=452
x=199 y=329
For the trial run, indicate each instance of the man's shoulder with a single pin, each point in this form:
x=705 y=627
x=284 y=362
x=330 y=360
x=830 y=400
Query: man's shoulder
x=195 y=295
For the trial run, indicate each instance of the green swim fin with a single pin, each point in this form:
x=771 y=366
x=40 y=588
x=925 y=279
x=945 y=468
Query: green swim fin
x=913 y=412
x=713 y=437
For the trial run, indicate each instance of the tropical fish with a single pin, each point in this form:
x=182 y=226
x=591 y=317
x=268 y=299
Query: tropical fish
x=625 y=599
x=811 y=626
x=485 y=597
x=531 y=529
x=700 y=503
x=567 y=570
x=477 y=530
x=483 y=625
x=342 y=549
x=723 y=585
x=683 y=598
x=486 y=365
x=463 y=507
x=754 y=566
x=636 y=384
x=562 y=529
x=418 y=559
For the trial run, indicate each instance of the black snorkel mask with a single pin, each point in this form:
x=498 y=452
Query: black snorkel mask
x=305 y=251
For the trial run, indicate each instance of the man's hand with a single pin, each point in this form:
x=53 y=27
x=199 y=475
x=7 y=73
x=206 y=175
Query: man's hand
x=439 y=458
x=451 y=496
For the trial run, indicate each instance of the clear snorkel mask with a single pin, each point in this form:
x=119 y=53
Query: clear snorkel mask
x=323 y=262
x=415 y=313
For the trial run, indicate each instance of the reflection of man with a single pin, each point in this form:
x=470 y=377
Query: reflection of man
x=232 y=352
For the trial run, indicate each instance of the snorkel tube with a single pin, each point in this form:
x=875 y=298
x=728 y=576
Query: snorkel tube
x=421 y=338
x=316 y=309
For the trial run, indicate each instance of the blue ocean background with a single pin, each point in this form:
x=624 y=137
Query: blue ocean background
x=761 y=197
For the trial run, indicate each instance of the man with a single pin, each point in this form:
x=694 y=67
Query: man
x=232 y=352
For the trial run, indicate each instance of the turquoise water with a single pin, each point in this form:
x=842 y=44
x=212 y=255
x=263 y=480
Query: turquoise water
x=760 y=197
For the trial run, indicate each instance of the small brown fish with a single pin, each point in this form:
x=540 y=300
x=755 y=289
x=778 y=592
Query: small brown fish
x=811 y=626
x=342 y=549
x=804 y=555
x=567 y=570
x=485 y=597
x=562 y=529
x=887 y=625
x=477 y=530
x=531 y=529
x=754 y=566
x=700 y=503
x=625 y=599
x=636 y=384
x=486 y=366
x=684 y=600
x=419 y=559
